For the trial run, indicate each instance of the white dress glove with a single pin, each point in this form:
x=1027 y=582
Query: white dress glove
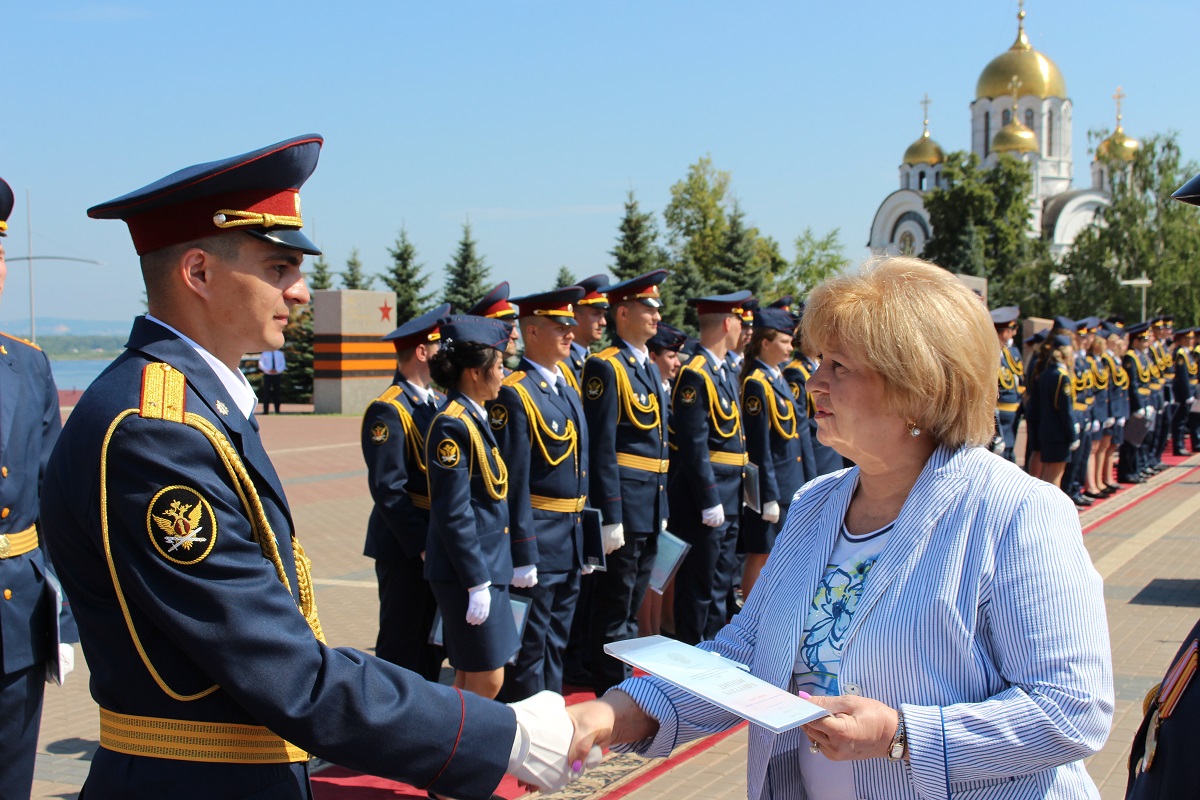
x=66 y=664
x=1140 y=413
x=544 y=732
x=1151 y=412
x=525 y=577
x=713 y=517
x=770 y=512
x=1074 y=446
x=1108 y=423
x=613 y=537
x=1095 y=426
x=663 y=525
x=586 y=569
x=479 y=604
x=1121 y=420
x=1077 y=429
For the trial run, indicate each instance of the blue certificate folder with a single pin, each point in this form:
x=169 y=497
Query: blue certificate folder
x=717 y=680
x=671 y=550
x=520 y=609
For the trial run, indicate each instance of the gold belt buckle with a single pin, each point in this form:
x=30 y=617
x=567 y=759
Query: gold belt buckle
x=5 y=545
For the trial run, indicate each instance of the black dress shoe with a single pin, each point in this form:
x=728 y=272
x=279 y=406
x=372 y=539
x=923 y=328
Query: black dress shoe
x=1181 y=453
x=1109 y=491
x=1133 y=479
x=1080 y=500
x=1095 y=495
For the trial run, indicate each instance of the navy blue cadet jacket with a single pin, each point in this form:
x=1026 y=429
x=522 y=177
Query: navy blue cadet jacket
x=1118 y=387
x=1056 y=399
x=1183 y=382
x=1138 y=369
x=625 y=406
x=543 y=440
x=706 y=469
x=1009 y=380
x=213 y=630
x=773 y=435
x=468 y=540
x=29 y=426
x=393 y=445
x=819 y=458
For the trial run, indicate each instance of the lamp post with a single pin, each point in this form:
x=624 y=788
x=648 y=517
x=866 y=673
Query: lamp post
x=1143 y=283
x=31 y=259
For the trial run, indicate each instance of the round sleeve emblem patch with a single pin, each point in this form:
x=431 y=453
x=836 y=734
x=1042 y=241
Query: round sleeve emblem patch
x=595 y=388
x=753 y=405
x=795 y=390
x=498 y=417
x=687 y=394
x=447 y=453
x=379 y=433
x=181 y=525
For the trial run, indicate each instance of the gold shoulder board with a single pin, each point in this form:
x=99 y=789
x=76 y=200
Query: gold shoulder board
x=164 y=390
x=389 y=395
x=608 y=352
x=513 y=378
x=19 y=339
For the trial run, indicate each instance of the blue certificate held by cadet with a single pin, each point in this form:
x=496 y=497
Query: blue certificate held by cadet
x=718 y=680
x=671 y=550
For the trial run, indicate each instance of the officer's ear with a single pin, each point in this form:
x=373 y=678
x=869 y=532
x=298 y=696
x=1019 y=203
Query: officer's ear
x=195 y=269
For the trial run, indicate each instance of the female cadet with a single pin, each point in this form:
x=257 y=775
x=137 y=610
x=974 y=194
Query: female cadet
x=772 y=429
x=1118 y=402
x=1097 y=487
x=468 y=560
x=1057 y=430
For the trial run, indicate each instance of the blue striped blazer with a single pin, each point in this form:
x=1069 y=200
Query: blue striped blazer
x=983 y=619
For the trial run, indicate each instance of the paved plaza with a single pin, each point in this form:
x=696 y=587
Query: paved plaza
x=1145 y=542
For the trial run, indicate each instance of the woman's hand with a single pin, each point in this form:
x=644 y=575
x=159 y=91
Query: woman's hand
x=612 y=719
x=857 y=728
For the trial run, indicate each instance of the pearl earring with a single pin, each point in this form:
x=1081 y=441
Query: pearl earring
x=913 y=430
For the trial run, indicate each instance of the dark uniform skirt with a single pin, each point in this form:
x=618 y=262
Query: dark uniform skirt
x=476 y=648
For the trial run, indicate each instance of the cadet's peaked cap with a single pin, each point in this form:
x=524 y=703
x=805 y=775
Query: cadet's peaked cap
x=467 y=328
x=749 y=309
x=643 y=289
x=1189 y=192
x=1005 y=314
x=1137 y=331
x=594 y=288
x=6 y=206
x=774 y=319
x=418 y=330
x=494 y=304
x=1038 y=337
x=784 y=302
x=1117 y=320
x=258 y=193
x=1062 y=340
x=557 y=304
x=1185 y=332
x=667 y=338
x=1064 y=324
x=1111 y=329
x=1087 y=324
x=732 y=303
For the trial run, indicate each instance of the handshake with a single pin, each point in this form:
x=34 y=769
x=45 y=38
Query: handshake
x=546 y=736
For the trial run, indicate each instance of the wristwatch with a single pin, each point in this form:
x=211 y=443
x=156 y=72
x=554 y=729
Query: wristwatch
x=899 y=741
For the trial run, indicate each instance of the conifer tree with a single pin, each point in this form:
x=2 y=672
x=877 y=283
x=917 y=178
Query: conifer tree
x=637 y=250
x=466 y=275
x=353 y=276
x=320 y=277
x=564 y=278
x=738 y=265
x=407 y=279
x=683 y=282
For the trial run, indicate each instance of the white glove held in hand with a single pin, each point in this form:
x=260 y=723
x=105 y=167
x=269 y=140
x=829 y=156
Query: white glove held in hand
x=66 y=663
x=525 y=577
x=613 y=537
x=1095 y=426
x=545 y=732
x=1140 y=413
x=479 y=604
x=586 y=569
x=770 y=512
x=1074 y=446
x=713 y=517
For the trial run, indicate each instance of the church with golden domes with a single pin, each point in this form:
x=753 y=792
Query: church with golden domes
x=1020 y=108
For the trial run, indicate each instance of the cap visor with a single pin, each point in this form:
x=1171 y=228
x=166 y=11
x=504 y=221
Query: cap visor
x=290 y=238
x=653 y=302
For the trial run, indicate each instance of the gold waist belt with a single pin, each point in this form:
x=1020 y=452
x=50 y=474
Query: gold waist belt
x=642 y=463
x=732 y=459
x=182 y=740
x=18 y=544
x=1007 y=406
x=1142 y=390
x=419 y=500
x=570 y=505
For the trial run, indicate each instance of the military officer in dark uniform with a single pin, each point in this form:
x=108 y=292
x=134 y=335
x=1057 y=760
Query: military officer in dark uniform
x=664 y=352
x=194 y=599
x=823 y=459
x=705 y=487
x=495 y=305
x=1163 y=763
x=393 y=445
x=1010 y=382
x=625 y=407
x=31 y=654
x=591 y=320
x=1133 y=467
x=1183 y=387
x=539 y=426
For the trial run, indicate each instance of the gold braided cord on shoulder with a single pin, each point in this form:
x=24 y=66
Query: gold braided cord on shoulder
x=715 y=412
x=414 y=442
x=630 y=405
x=1120 y=377
x=1099 y=372
x=1018 y=368
x=777 y=420
x=539 y=431
x=496 y=483
x=1007 y=379
x=569 y=376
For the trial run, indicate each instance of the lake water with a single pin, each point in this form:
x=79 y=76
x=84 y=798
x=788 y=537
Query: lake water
x=79 y=374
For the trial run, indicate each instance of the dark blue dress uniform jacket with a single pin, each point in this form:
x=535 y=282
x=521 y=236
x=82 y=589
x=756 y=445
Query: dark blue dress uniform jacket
x=1057 y=418
x=773 y=444
x=552 y=540
x=223 y=638
x=706 y=419
x=618 y=424
x=819 y=459
x=29 y=426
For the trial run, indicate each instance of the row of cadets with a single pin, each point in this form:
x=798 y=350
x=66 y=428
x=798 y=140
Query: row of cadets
x=776 y=427
x=393 y=446
x=539 y=426
x=1183 y=390
x=625 y=407
x=1011 y=378
x=1134 y=460
x=1076 y=479
x=468 y=553
x=796 y=373
x=1161 y=342
x=705 y=487
x=1111 y=354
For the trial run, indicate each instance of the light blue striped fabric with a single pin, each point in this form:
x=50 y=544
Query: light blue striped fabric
x=983 y=619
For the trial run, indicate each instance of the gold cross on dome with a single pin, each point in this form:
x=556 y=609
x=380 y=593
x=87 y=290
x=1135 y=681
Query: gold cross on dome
x=1119 y=96
x=925 y=101
x=1014 y=86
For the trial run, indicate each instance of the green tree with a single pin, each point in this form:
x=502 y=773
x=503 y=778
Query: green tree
x=297 y=381
x=817 y=258
x=320 y=277
x=353 y=276
x=684 y=281
x=564 y=278
x=1143 y=231
x=739 y=264
x=637 y=251
x=466 y=274
x=696 y=216
x=407 y=279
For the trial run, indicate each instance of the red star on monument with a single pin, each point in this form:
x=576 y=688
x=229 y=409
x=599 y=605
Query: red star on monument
x=385 y=312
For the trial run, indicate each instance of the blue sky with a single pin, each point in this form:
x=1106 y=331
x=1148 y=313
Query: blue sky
x=531 y=119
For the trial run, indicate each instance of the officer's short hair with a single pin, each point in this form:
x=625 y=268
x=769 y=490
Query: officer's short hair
x=927 y=336
x=157 y=265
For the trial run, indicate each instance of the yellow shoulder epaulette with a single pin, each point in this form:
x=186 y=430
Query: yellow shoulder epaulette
x=695 y=364
x=164 y=391
x=513 y=378
x=454 y=409
x=389 y=395
x=19 y=339
x=608 y=352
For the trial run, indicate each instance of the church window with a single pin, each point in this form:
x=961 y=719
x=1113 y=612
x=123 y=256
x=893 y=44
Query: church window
x=1029 y=118
x=908 y=243
x=921 y=181
x=1006 y=117
x=906 y=180
x=1049 y=133
x=987 y=133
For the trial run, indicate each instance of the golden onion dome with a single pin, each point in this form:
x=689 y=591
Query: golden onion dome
x=1039 y=75
x=1119 y=145
x=1015 y=138
x=924 y=151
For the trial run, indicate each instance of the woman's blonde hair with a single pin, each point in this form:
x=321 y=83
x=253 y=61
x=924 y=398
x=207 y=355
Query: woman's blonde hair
x=927 y=335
